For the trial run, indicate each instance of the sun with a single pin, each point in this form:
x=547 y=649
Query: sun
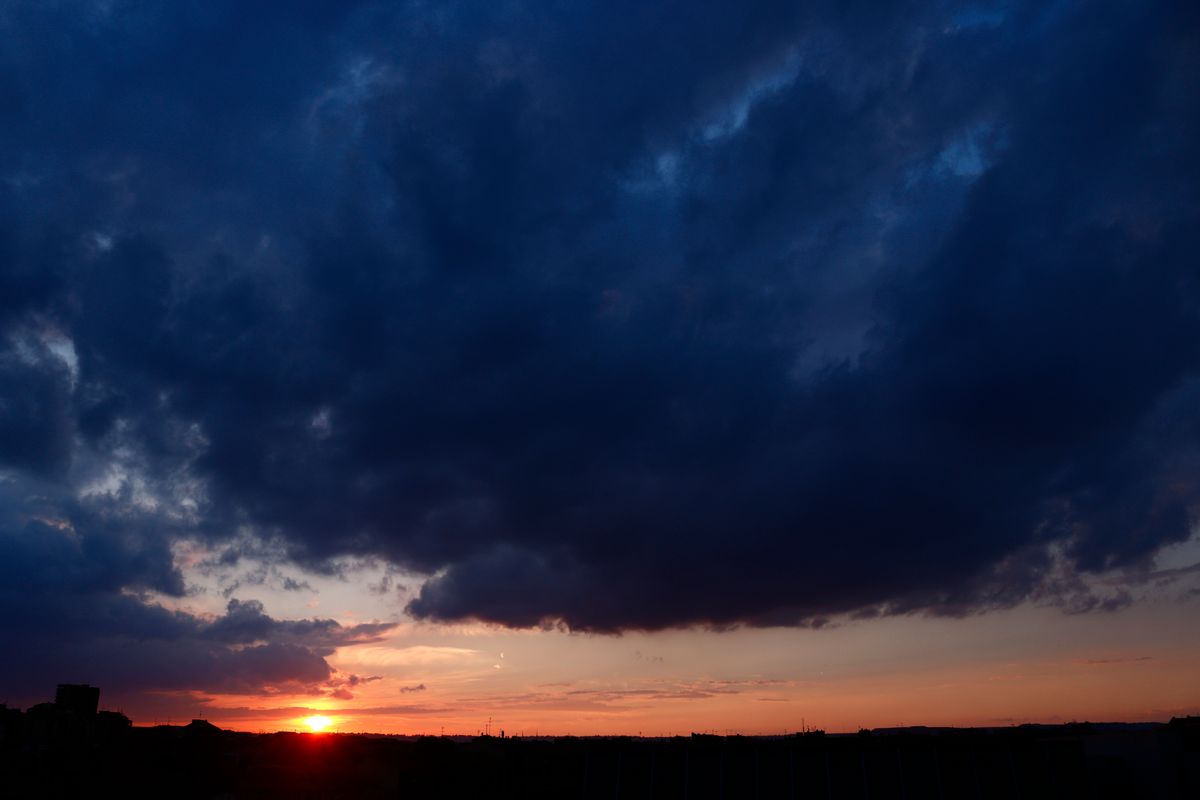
x=318 y=723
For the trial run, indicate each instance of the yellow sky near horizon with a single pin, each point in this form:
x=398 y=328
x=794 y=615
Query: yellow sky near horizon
x=1023 y=665
x=1026 y=664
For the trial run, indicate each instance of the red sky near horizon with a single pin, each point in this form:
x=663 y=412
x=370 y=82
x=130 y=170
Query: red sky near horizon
x=1027 y=664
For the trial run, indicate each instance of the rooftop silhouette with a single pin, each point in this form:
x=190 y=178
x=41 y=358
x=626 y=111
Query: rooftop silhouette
x=54 y=750
x=77 y=698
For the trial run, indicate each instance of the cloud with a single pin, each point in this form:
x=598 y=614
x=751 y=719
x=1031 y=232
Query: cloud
x=632 y=318
x=274 y=714
x=76 y=592
x=1117 y=660
x=624 y=697
x=411 y=656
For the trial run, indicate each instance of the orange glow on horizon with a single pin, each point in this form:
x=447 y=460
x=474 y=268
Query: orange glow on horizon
x=1136 y=665
x=318 y=723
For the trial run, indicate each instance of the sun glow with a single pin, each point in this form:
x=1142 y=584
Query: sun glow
x=318 y=723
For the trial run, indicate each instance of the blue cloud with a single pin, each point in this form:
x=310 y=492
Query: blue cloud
x=625 y=316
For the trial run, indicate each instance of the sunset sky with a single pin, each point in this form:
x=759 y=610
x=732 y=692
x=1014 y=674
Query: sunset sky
x=622 y=367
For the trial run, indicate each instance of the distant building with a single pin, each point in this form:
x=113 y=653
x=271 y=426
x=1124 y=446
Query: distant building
x=110 y=722
x=202 y=727
x=78 y=698
x=11 y=721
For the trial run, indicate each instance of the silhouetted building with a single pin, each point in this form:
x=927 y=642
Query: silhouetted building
x=201 y=727
x=77 y=698
x=112 y=722
x=60 y=754
x=11 y=721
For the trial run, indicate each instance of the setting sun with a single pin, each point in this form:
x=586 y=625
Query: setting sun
x=318 y=723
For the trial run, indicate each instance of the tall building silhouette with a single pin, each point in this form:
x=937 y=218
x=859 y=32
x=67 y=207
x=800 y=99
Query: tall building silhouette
x=78 y=698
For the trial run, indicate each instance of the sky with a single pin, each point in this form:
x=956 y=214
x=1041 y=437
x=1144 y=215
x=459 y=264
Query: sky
x=590 y=367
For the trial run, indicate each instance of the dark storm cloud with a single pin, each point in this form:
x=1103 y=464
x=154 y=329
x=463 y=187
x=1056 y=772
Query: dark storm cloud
x=72 y=605
x=626 y=315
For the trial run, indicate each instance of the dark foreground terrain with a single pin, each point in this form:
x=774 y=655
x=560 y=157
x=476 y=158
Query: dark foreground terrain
x=73 y=758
